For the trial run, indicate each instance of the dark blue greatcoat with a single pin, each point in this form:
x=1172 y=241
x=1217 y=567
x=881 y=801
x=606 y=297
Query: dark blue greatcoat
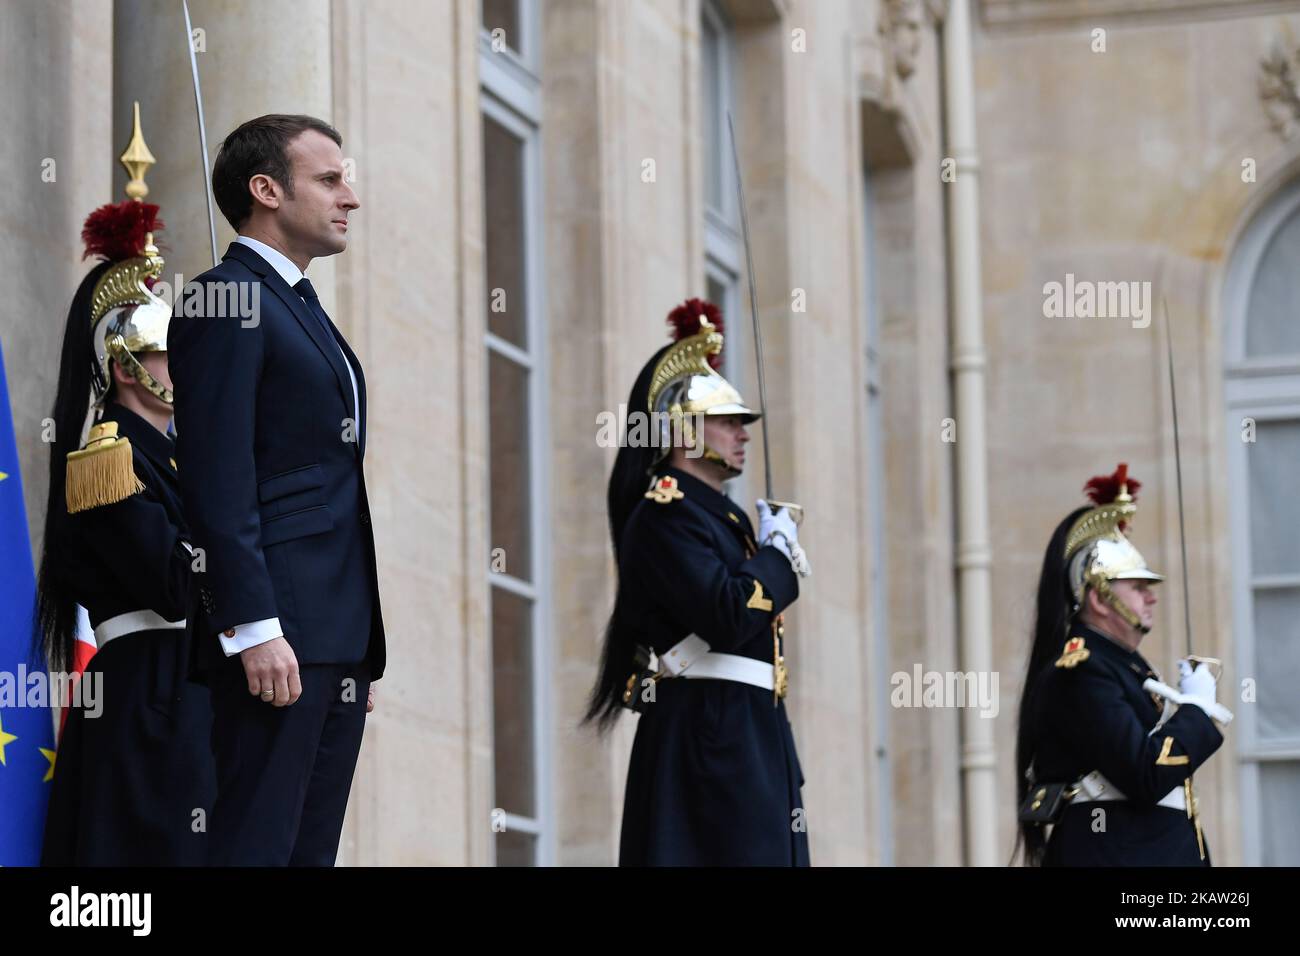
x=1094 y=715
x=134 y=778
x=713 y=778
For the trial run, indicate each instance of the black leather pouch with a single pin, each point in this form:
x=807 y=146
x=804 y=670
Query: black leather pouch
x=1045 y=802
x=642 y=679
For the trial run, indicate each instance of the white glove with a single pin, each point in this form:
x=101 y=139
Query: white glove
x=1197 y=685
x=779 y=530
x=1215 y=710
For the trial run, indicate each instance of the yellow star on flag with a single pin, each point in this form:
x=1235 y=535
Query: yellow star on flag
x=49 y=755
x=5 y=739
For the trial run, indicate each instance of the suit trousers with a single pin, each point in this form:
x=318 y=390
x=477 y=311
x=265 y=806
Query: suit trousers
x=284 y=773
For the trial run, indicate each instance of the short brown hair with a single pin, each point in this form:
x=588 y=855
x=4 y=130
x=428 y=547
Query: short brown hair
x=256 y=147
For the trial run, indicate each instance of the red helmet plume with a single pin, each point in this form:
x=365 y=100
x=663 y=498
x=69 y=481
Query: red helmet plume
x=117 y=231
x=1103 y=489
x=685 y=320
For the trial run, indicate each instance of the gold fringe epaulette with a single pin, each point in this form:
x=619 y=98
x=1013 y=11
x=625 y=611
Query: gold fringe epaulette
x=102 y=473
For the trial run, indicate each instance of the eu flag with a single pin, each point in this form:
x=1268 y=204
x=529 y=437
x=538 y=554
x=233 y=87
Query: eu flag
x=26 y=733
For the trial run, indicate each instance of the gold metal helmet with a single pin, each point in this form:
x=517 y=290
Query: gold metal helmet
x=1096 y=549
x=685 y=384
x=127 y=318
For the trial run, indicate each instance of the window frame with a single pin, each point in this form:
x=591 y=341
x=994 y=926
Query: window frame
x=510 y=95
x=513 y=66
x=725 y=220
x=724 y=245
x=1265 y=389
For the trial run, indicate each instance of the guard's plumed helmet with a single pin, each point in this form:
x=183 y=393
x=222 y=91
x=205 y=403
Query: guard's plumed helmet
x=685 y=381
x=126 y=318
x=1096 y=550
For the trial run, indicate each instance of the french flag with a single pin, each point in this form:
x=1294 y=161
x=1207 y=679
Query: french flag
x=81 y=655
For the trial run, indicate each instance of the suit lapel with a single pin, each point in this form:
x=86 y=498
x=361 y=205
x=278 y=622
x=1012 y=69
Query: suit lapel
x=363 y=422
x=310 y=324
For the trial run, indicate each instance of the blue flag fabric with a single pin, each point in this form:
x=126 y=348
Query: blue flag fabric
x=26 y=732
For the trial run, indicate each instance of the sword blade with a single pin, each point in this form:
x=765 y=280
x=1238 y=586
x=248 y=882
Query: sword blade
x=753 y=308
x=1178 y=470
x=203 y=132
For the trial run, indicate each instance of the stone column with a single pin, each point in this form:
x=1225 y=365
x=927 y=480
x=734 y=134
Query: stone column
x=253 y=58
x=58 y=151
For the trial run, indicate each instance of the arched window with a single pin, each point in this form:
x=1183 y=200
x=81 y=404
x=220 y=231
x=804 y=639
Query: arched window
x=1262 y=393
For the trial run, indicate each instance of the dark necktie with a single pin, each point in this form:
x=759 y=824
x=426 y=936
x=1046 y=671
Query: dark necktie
x=305 y=289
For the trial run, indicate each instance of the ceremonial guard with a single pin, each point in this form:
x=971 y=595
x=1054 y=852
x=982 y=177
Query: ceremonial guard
x=1106 y=751
x=134 y=777
x=694 y=644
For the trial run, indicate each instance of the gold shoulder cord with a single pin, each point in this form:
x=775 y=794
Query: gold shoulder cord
x=780 y=674
x=1194 y=814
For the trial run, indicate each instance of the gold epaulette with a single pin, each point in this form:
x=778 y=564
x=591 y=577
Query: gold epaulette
x=665 y=491
x=1075 y=653
x=102 y=473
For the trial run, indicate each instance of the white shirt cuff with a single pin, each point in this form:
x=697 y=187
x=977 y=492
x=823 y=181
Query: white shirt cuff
x=250 y=635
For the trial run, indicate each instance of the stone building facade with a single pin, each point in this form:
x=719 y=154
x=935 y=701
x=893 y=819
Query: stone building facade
x=542 y=180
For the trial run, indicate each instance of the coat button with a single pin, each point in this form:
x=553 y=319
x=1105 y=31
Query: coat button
x=365 y=517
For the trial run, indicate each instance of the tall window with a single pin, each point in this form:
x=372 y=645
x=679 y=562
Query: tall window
x=517 y=430
x=1262 y=390
x=724 y=249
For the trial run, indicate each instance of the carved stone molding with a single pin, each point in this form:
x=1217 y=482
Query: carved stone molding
x=901 y=22
x=1279 y=89
x=1041 y=13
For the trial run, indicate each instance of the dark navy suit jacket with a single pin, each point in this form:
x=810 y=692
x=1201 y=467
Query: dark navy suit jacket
x=270 y=465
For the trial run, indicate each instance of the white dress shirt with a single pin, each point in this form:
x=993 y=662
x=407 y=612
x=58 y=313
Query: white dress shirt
x=259 y=632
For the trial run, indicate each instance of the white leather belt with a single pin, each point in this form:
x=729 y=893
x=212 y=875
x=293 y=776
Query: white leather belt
x=1094 y=788
x=691 y=657
x=130 y=623
x=744 y=670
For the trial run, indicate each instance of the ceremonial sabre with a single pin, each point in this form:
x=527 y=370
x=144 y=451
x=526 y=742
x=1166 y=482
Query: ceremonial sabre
x=796 y=511
x=203 y=133
x=1178 y=470
x=1216 y=710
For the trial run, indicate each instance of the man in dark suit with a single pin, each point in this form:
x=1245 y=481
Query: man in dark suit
x=271 y=425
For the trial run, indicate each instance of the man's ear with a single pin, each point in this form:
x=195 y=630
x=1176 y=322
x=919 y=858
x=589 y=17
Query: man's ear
x=1093 y=602
x=120 y=375
x=265 y=191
